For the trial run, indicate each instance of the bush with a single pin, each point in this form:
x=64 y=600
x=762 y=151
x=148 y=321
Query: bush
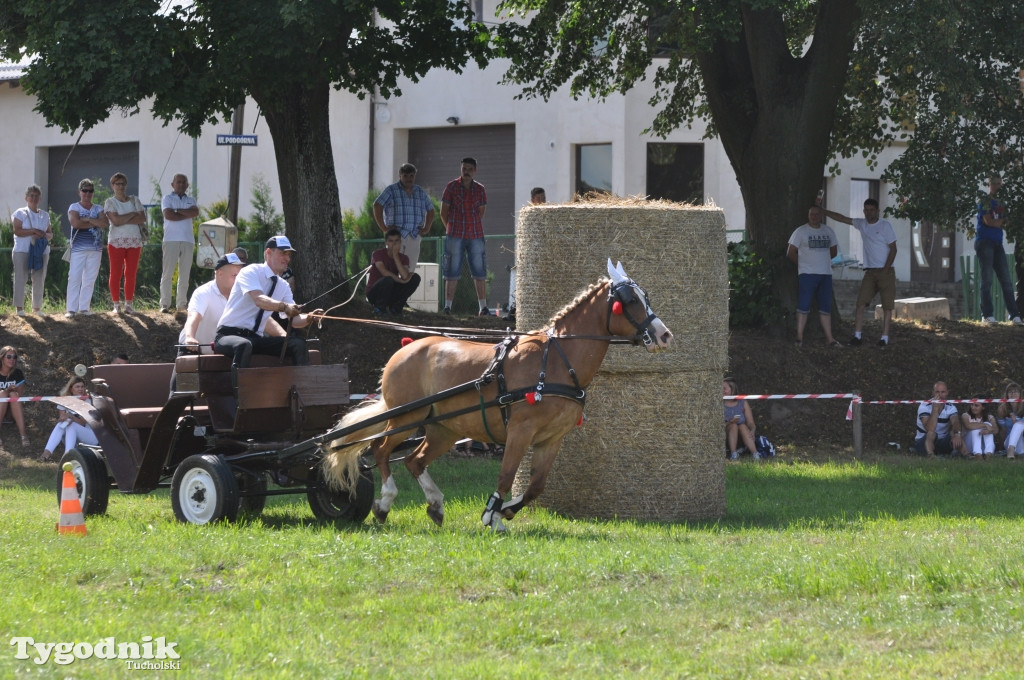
x=752 y=302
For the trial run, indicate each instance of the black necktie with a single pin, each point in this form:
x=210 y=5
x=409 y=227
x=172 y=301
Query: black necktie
x=259 y=316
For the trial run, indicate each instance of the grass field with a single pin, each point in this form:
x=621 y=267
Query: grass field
x=898 y=569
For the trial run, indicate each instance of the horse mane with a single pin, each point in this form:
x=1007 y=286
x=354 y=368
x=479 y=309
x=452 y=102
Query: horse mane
x=584 y=295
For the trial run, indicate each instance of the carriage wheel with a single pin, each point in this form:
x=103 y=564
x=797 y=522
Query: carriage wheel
x=90 y=474
x=328 y=504
x=204 y=490
x=251 y=482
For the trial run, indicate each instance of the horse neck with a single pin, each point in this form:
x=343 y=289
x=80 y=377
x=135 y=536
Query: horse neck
x=588 y=318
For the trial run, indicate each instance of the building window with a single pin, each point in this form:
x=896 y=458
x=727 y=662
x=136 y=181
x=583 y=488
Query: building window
x=593 y=168
x=675 y=172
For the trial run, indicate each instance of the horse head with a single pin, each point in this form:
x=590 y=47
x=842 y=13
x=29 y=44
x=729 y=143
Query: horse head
x=630 y=313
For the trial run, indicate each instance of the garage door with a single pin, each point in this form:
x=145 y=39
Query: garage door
x=95 y=161
x=437 y=152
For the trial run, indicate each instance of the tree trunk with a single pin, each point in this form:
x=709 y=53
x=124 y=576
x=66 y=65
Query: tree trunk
x=299 y=122
x=774 y=114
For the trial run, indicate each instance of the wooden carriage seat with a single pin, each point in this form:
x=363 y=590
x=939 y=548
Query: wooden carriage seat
x=139 y=390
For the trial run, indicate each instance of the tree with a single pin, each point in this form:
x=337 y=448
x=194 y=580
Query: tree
x=788 y=84
x=196 y=62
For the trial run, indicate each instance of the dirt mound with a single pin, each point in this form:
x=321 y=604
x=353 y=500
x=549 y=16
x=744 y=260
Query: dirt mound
x=972 y=358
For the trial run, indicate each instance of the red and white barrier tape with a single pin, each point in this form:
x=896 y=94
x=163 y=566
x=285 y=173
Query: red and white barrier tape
x=856 y=399
x=32 y=398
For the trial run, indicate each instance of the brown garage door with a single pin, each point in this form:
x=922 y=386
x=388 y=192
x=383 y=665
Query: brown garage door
x=437 y=152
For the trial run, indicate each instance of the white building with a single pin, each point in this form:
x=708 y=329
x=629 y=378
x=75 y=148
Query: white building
x=561 y=145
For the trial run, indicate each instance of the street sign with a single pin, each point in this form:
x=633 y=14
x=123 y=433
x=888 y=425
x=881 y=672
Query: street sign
x=236 y=140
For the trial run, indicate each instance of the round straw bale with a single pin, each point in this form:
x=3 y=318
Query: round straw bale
x=641 y=458
x=651 y=448
x=676 y=252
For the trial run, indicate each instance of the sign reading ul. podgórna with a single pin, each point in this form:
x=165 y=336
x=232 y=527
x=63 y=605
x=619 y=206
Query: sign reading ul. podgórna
x=236 y=140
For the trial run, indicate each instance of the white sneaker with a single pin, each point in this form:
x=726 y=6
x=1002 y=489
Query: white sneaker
x=117 y=308
x=988 y=319
x=85 y=312
x=69 y=315
x=735 y=455
x=128 y=308
x=757 y=456
x=1017 y=321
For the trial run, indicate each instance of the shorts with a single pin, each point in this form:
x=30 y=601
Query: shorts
x=457 y=248
x=807 y=286
x=881 y=281
x=943 y=446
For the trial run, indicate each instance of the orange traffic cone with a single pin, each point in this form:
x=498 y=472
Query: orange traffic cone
x=72 y=521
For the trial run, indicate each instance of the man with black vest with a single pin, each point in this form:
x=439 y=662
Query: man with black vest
x=259 y=291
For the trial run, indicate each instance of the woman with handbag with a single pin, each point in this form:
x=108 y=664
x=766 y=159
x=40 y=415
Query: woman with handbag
x=85 y=249
x=31 y=253
x=128 y=233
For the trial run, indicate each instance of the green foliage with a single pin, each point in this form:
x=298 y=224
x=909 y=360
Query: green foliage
x=752 y=302
x=155 y=216
x=265 y=221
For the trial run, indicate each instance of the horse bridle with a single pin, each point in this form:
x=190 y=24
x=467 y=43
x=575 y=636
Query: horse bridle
x=623 y=293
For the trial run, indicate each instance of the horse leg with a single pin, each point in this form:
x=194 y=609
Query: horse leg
x=436 y=441
x=543 y=457
x=388 y=489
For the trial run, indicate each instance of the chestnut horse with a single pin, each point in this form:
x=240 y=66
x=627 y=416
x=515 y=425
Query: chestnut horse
x=546 y=371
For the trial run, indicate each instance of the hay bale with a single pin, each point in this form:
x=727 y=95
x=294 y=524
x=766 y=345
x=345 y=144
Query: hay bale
x=650 y=449
x=642 y=458
x=675 y=251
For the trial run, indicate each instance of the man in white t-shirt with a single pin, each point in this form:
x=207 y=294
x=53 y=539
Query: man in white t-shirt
x=179 y=241
x=939 y=429
x=879 y=240
x=259 y=291
x=207 y=304
x=812 y=247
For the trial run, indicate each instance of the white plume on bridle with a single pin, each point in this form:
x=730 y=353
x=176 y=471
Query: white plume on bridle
x=616 y=272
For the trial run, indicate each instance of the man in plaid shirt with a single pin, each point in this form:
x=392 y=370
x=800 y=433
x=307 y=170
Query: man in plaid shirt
x=462 y=211
x=405 y=206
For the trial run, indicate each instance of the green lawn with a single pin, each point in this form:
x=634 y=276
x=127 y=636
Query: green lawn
x=908 y=568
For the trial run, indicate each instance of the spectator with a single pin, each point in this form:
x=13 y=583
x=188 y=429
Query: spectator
x=243 y=328
x=87 y=222
x=812 y=247
x=31 y=252
x=879 y=276
x=121 y=358
x=12 y=385
x=70 y=427
x=538 y=196
x=1010 y=417
x=179 y=242
x=739 y=422
x=207 y=304
x=463 y=204
x=981 y=428
x=124 y=243
x=391 y=281
x=939 y=429
x=988 y=244
x=405 y=206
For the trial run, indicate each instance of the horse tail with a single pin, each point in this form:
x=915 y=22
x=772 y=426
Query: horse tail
x=341 y=463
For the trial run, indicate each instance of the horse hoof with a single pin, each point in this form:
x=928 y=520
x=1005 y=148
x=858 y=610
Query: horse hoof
x=380 y=515
x=436 y=513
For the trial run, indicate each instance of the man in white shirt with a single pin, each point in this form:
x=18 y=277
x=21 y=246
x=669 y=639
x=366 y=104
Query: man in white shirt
x=259 y=291
x=879 y=276
x=207 y=304
x=179 y=241
x=939 y=429
x=812 y=247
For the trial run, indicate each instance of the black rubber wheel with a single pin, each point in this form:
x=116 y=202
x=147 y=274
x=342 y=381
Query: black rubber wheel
x=204 y=490
x=251 y=482
x=328 y=504
x=90 y=479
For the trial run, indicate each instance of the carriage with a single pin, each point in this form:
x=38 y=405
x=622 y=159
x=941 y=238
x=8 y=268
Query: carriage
x=216 y=446
x=221 y=434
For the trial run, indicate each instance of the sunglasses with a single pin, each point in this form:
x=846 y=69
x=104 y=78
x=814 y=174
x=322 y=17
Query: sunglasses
x=87 y=191
x=10 y=356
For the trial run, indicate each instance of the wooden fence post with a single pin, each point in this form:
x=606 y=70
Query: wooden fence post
x=858 y=432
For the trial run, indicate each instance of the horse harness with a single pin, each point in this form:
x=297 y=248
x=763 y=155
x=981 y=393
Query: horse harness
x=495 y=371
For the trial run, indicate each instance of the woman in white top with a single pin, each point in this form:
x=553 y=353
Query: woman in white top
x=124 y=243
x=70 y=427
x=30 y=225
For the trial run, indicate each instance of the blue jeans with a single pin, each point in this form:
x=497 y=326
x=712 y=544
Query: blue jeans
x=991 y=256
x=453 y=254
